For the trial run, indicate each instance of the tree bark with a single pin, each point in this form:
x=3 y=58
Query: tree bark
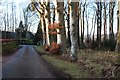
x=79 y=24
x=68 y=24
x=43 y=29
x=41 y=13
x=57 y=21
x=53 y=38
x=61 y=36
x=62 y=30
x=73 y=29
x=118 y=35
x=47 y=22
x=99 y=23
x=87 y=18
x=111 y=15
x=105 y=22
x=83 y=28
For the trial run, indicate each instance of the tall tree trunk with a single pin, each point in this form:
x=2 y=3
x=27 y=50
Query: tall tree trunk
x=93 y=21
x=12 y=17
x=62 y=30
x=5 y=26
x=7 y=19
x=68 y=24
x=105 y=22
x=43 y=29
x=41 y=13
x=94 y=29
x=118 y=35
x=118 y=21
x=47 y=21
x=53 y=38
x=83 y=29
x=111 y=13
x=44 y=26
x=69 y=31
x=59 y=7
x=57 y=21
x=87 y=32
x=99 y=23
x=87 y=18
x=73 y=29
x=78 y=34
x=80 y=26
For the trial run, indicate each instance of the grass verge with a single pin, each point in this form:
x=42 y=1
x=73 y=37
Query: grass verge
x=69 y=68
x=40 y=49
x=9 y=47
x=90 y=64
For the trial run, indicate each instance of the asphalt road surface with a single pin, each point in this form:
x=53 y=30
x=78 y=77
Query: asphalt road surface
x=26 y=63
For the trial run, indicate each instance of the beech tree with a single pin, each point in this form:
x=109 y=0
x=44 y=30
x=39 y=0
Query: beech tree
x=75 y=23
x=118 y=34
x=42 y=9
x=83 y=23
x=73 y=29
x=111 y=15
x=105 y=21
x=87 y=19
x=67 y=12
x=59 y=8
x=57 y=15
x=99 y=22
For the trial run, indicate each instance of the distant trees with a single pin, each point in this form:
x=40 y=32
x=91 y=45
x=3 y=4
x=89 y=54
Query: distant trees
x=38 y=36
x=104 y=13
x=20 y=31
x=5 y=23
x=8 y=16
x=22 y=35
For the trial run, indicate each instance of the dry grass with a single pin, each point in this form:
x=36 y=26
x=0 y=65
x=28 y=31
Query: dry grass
x=69 y=68
x=40 y=49
x=98 y=62
x=90 y=64
x=9 y=47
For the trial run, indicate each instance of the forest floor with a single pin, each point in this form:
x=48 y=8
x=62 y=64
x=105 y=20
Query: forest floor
x=90 y=63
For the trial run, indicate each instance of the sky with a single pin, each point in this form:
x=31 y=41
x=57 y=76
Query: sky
x=21 y=4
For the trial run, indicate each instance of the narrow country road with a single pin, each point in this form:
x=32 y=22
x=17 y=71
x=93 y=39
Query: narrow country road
x=26 y=63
